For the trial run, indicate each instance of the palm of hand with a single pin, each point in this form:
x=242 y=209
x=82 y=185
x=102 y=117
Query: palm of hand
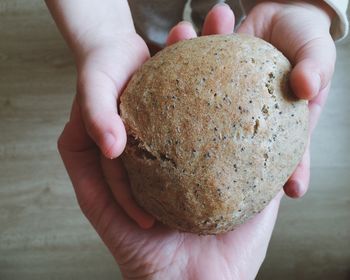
x=158 y=252
x=162 y=252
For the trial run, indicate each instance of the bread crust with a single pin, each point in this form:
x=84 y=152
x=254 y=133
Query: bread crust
x=214 y=131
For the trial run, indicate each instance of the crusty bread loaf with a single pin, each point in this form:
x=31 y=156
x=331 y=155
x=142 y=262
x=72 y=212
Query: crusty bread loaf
x=214 y=131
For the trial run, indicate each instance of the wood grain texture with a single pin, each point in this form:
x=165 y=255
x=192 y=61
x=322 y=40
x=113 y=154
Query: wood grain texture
x=43 y=234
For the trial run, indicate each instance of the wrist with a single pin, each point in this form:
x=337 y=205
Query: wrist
x=126 y=44
x=85 y=26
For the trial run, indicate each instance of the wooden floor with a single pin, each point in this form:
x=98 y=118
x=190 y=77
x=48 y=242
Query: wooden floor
x=43 y=234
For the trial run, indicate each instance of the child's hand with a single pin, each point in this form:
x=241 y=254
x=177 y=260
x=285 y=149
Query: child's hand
x=107 y=51
x=301 y=31
x=103 y=72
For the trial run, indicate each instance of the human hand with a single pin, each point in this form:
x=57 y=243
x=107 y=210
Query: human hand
x=103 y=72
x=107 y=51
x=300 y=29
x=103 y=193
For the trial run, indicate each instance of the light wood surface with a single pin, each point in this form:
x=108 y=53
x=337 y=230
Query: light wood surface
x=43 y=234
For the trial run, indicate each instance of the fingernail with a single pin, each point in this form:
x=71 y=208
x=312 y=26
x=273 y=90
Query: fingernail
x=108 y=143
x=293 y=189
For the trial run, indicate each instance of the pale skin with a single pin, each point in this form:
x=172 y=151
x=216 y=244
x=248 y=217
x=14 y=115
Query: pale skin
x=107 y=52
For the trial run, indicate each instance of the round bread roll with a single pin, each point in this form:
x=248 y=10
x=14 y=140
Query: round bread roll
x=214 y=131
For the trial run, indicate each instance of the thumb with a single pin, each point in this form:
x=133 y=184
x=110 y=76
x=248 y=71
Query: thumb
x=102 y=75
x=314 y=66
x=97 y=97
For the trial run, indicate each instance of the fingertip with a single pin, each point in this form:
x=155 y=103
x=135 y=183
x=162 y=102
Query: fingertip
x=294 y=189
x=147 y=222
x=305 y=82
x=298 y=183
x=110 y=146
x=182 y=31
x=107 y=145
x=113 y=143
x=184 y=24
x=314 y=60
x=143 y=219
x=220 y=20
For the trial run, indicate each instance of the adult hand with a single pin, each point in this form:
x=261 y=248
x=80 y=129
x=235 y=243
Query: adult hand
x=102 y=190
x=300 y=29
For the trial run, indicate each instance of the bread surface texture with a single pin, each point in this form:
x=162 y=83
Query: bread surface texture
x=214 y=131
